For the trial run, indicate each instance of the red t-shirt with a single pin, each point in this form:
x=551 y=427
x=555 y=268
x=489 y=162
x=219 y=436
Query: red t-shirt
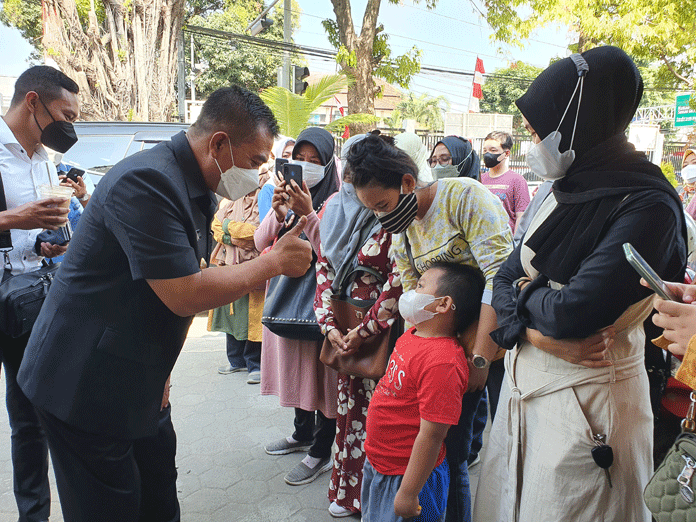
x=426 y=379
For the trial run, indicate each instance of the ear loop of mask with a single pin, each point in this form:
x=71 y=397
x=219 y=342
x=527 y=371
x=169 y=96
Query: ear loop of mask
x=580 y=83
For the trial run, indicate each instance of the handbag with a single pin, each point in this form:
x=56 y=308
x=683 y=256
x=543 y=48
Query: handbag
x=21 y=295
x=370 y=360
x=669 y=494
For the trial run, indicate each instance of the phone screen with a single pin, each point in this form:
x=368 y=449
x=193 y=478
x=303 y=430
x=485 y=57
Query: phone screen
x=647 y=273
x=292 y=171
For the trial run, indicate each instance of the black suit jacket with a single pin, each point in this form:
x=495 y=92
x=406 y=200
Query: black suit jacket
x=104 y=344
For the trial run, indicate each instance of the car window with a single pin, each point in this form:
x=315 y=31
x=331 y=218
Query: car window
x=97 y=151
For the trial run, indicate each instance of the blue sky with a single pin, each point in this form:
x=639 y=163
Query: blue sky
x=450 y=36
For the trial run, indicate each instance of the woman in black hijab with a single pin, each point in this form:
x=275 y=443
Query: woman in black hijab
x=454 y=157
x=570 y=308
x=290 y=368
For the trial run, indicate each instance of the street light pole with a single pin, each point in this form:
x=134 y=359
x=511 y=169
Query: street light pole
x=193 y=76
x=287 y=33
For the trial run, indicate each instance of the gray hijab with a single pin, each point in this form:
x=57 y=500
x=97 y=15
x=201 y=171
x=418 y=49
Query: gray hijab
x=345 y=218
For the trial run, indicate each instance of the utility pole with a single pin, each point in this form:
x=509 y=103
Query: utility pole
x=193 y=76
x=181 y=76
x=287 y=33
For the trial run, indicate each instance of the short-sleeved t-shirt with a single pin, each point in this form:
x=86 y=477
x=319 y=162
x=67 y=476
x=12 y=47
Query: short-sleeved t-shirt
x=105 y=343
x=426 y=379
x=512 y=190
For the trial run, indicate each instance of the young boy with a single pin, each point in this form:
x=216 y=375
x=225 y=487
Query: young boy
x=507 y=184
x=419 y=398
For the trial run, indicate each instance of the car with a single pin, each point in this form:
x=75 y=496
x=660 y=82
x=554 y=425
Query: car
x=101 y=145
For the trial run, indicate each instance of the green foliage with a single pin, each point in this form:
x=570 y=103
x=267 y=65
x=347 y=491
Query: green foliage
x=26 y=17
x=237 y=62
x=293 y=111
x=668 y=171
x=426 y=110
x=501 y=90
x=399 y=69
x=352 y=119
x=654 y=30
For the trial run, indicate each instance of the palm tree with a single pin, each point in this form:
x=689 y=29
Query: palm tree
x=426 y=110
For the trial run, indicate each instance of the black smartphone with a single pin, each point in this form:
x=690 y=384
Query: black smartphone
x=646 y=272
x=292 y=172
x=73 y=173
x=279 y=162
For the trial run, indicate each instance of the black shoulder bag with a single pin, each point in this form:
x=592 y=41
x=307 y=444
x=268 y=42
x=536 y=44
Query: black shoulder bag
x=21 y=295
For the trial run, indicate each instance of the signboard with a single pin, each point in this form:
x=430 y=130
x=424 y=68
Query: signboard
x=684 y=116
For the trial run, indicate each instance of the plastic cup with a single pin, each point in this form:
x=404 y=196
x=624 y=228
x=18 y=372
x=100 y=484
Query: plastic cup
x=57 y=191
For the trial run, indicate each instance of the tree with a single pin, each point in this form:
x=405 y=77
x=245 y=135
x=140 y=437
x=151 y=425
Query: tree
x=362 y=56
x=426 y=110
x=293 y=111
x=504 y=86
x=654 y=30
x=231 y=62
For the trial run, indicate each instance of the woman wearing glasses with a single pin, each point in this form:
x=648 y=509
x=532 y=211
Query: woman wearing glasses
x=454 y=157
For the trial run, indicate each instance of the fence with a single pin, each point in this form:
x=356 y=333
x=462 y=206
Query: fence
x=672 y=151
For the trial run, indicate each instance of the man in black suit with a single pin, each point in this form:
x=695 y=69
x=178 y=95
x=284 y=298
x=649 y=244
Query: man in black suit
x=120 y=307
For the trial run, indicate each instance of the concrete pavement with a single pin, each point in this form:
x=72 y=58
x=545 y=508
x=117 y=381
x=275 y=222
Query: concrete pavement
x=222 y=424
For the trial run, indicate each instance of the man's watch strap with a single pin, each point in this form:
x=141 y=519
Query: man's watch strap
x=84 y=197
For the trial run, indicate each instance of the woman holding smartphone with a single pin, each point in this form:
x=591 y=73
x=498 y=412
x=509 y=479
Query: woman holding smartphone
x=570 y=307
x=290 y=368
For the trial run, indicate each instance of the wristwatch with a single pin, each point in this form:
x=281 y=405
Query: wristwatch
x=84 y=197
x=480 y=362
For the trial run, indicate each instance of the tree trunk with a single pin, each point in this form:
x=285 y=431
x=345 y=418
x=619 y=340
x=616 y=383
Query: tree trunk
x=125 y=67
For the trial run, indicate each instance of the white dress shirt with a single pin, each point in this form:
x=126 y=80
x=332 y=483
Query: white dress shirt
x=21 y=178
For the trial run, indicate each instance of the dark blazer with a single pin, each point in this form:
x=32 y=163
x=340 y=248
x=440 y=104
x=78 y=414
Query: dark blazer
x=104 y=344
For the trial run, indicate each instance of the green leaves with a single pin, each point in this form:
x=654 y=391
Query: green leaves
x=352 y=119
x=293 y=111
x=426 y=110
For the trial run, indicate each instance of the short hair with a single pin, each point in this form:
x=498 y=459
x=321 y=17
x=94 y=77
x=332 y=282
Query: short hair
x=45 y=81
x=372 y=160
x=236 y=111
x=503 y=137
x=465 y=285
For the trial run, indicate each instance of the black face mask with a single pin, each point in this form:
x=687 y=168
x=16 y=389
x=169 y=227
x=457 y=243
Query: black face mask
x=490 y=159
x=57 y=135
x=402 y=216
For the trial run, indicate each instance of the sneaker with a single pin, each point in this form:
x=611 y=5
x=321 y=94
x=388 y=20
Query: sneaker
x=283 y=447
x=226 y=370
x=474 y=462
x=303 y=474
x=337 y=511
x=254 y=378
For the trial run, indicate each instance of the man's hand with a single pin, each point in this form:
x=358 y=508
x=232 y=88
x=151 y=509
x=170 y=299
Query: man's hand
x=48 y=250
x=165 y=395
x=477 y=377
x=590 y=352
x=44 y=213
x=292 y=254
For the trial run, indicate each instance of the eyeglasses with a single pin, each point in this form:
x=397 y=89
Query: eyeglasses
x=442 y=160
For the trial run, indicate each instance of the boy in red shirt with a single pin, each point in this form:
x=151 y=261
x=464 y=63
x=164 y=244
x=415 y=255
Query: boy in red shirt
x=419 y=398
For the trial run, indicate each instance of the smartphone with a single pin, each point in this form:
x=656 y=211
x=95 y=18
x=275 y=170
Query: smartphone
x=73 y=173
x=647 y=273
x=279 y=162
x=291 y=172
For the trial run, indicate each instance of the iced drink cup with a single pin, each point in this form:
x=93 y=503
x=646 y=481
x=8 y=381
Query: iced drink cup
x=59 y=191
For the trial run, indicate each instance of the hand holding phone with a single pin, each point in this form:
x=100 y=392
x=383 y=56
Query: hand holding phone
x=293 y=172
x=647 y=273
x=73 y=173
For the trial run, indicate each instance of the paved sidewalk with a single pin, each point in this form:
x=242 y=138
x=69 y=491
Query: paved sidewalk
x=222 y=424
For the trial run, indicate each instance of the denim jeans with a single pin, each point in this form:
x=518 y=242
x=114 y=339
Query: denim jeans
x=244 y=354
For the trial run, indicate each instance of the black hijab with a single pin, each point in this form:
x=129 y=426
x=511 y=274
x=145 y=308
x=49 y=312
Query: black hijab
x=463 y=156
x=606 y=168
x=322 y=140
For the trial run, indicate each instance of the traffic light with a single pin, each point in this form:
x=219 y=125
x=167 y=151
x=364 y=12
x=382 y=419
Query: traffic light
x=299 y=86
x=260 y=25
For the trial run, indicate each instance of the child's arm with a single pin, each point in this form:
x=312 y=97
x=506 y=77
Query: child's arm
x=420 y=465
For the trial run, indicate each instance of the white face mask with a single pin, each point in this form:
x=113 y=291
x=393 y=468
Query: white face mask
x=235 y=183
x=544 y=158
x=312 y=173
x=412 y=306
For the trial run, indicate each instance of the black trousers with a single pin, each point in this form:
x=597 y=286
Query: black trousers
x=29 y=444
x=320 y=430
x=101 y=479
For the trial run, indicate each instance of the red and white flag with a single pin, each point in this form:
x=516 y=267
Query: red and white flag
x=476 y=92
x=346 y=133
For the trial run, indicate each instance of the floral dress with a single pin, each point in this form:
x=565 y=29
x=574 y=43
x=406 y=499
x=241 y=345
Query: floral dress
x=354 y=393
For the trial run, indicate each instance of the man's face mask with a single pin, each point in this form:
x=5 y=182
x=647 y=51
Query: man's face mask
x=57 y=135
x=235 y=182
